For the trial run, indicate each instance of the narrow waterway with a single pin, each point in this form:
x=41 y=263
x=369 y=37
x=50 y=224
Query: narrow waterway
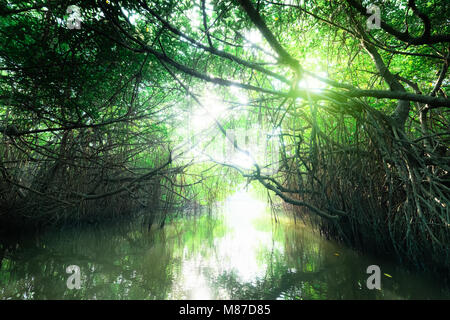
x=236 y=252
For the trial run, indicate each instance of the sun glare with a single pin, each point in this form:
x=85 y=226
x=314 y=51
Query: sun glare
x=203 y=118
x=311 y=83
x=241 y=160
x=308 y=82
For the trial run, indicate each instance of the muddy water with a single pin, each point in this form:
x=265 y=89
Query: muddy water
x=237 y=252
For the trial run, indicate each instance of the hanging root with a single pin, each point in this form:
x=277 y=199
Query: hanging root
x=394 y=187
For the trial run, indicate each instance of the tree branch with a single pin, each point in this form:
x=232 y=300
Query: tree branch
x=425 y=38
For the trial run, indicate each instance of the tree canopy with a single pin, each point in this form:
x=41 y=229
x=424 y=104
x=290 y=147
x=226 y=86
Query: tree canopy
x=98 y=107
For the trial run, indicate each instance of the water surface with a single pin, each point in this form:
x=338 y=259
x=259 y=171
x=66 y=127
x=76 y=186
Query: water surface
x=237 y=252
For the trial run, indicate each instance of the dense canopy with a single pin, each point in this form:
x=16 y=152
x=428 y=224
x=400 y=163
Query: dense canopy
x=111 y=106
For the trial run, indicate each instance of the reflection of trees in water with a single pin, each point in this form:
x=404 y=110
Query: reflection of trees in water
x=309 y=268
x=288 y=282
x=127 y=261
x=120 y=261
x=109 y=258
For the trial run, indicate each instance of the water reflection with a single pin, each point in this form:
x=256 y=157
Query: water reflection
x=236 y=253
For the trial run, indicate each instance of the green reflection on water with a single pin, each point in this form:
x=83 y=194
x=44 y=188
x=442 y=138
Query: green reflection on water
x=236 y=253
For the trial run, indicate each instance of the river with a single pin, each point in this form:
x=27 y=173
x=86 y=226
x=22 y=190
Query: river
x=235 y=252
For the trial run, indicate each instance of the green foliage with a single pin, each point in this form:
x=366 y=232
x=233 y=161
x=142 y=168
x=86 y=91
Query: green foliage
x=87 y=114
